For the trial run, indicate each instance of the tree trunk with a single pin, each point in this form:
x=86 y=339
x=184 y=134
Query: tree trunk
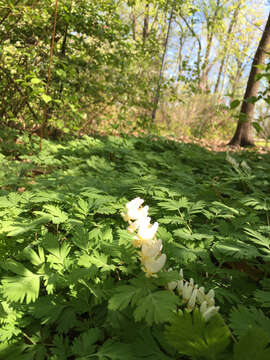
x=146 y=22
x=210 y=35
x=195 y=35
x=134 y=24
x=230 y=29
x=157 y=95
x=236 y=81
x=242 y=134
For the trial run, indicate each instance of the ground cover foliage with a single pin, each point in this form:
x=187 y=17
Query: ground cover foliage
x=71 y=282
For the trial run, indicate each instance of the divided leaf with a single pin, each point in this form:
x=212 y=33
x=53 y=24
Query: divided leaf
x=156 y=308
x=253 y=346
x=243 y=318
x=194 y=337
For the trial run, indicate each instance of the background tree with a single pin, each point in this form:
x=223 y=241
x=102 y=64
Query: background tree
x=242 y=134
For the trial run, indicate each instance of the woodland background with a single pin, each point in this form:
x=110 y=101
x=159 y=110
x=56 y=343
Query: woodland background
x=175 y=67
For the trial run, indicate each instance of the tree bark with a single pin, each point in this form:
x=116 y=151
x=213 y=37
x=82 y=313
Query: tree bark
x=242 y=134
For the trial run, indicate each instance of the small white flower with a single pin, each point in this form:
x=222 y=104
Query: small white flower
x=187 y=291
x=201 y=295
x=147 y=231
x=180 y=286
x=181 y=274
x=192 y=301
x=134 y=210
x=211 y=311
x=151 y=249
x=135 y=203
x=210 y=297
x=203 y=307
x=172 y=284
x=152 y=265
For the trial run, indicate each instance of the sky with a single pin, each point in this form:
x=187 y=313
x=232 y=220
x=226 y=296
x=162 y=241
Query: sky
x=256 y=14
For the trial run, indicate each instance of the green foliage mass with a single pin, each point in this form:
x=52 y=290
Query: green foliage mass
x=95 y=67
x=71 y=282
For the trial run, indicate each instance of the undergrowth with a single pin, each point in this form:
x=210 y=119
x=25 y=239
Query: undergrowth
x=71 y=282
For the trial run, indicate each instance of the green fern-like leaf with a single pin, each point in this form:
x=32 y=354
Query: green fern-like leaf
x=115 y=350
x=57 y=215
x=84 y=345
x=173 y=205
x=244 y=318
x=263 y=297
x=253 y=346
x=258 y=238
x=193 y=337
x=124 y=295
x=18 y=288
x=157 y=307
x=234 y=249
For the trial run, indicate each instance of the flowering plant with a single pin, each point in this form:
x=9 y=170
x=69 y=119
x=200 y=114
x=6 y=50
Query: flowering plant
x=153 y=261
x=145 y=236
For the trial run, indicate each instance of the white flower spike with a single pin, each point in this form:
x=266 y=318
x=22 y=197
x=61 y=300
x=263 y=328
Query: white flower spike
x=145 y=236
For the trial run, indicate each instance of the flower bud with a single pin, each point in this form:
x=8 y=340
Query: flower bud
x=192 y=301
x=181 y=274
x=210 y=312
x=203 y=307
x=180 y=287
x=187 y=291
x=201 y=295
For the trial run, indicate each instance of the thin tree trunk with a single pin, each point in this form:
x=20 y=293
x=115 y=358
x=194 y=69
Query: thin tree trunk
x=146 y=22
x=134 y=24
x=210 y=35
x=230 y=29
x=157 y=96
x=242 y=134
x=45 y=112
x=198 y=41
x=238 y=75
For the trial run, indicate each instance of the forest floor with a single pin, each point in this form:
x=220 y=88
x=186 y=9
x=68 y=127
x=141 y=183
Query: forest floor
x=220 y=145
x=61 y=206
